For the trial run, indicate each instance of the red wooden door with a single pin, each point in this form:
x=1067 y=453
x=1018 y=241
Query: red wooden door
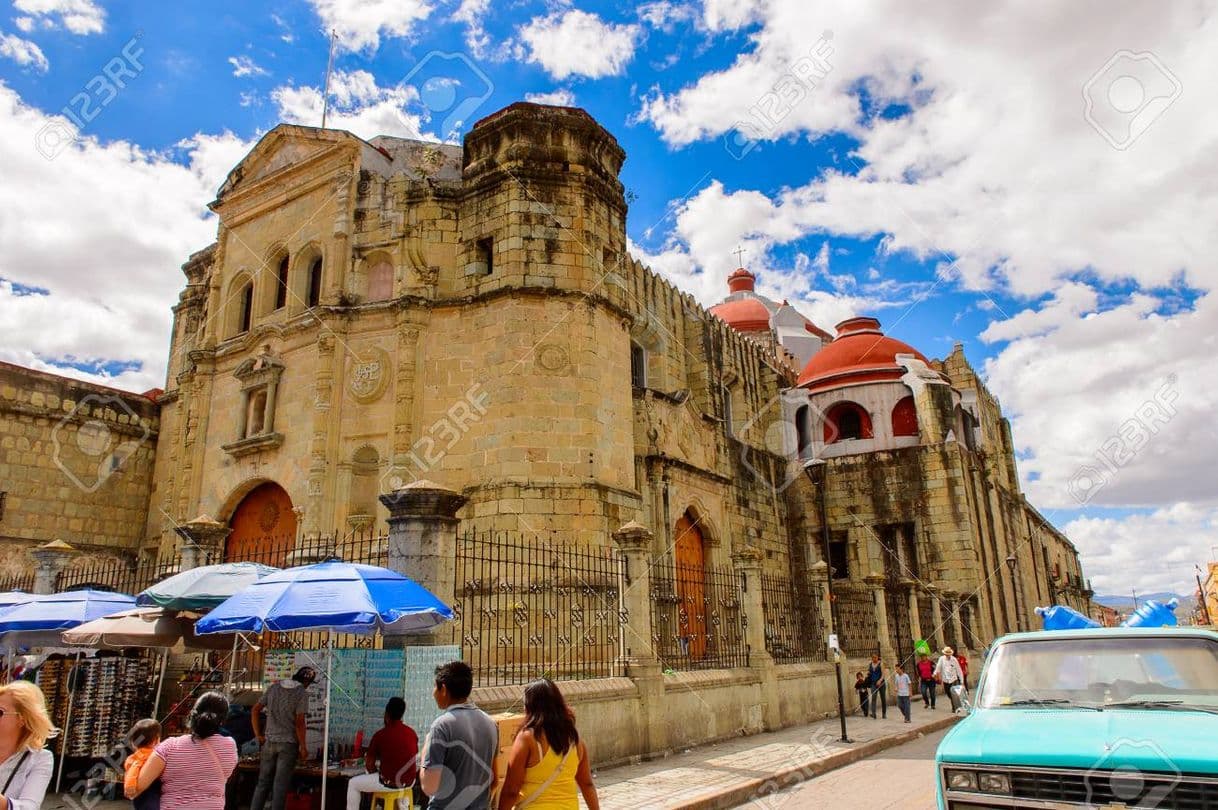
x=263 y=527
x=691 y=589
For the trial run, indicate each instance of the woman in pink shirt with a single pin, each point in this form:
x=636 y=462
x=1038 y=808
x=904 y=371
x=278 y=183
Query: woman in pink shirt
x=194 y=768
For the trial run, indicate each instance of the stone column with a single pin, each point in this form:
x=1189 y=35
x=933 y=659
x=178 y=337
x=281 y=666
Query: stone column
x=936 y=608
x=423 y=542
x=915 y=617
x=818 y=576
x=202 y=542
x=957 y=626
x=875 y=582
x=642 y=665
x=748 y=562
x=49 y=560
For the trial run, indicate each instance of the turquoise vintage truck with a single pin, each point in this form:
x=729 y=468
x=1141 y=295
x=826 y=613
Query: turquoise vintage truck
x=1100 y=718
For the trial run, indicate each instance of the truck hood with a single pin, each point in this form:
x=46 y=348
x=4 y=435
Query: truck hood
x=1149 y=740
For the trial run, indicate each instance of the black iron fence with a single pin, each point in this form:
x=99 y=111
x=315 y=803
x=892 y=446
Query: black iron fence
x=17 y=582
x=856 y=621
x=116 y=573
x=528 y=608
x=697 y=621
x=931 y=632
x=794 y=632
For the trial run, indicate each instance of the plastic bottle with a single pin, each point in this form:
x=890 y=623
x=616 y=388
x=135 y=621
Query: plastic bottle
x=1062 y=617
x=1154 y=614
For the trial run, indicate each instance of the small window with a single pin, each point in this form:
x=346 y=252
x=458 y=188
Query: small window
x=802 y=433
x=314 y=292
x=281 y=284
x=247 y=308
x=380 y=281
x=846 y=420
x=905 y=418
x=839 y=555
x=257 y=414
x=3 y=498
x=486 y=254
x=638 y=366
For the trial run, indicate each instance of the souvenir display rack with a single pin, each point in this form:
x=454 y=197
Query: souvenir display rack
x=111 y=694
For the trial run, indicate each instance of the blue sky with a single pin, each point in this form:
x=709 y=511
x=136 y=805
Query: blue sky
x=959 y=177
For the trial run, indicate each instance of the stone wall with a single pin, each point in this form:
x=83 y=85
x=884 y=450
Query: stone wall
x=76 y=463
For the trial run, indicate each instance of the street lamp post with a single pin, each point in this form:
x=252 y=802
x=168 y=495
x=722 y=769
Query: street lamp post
x=1011 y=562
x=809 y=466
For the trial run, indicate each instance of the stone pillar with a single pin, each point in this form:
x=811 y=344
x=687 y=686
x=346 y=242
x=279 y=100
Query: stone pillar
x=423 y=542
x=915 y=617
x=818 y=576
x=748 y=562
x=936 y=608
x=642 y=665
x=202 y=542
x=875 y=582
x=957 y=626
x=49 y=560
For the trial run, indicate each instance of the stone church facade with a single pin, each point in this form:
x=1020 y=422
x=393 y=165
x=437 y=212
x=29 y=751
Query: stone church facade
x=375 y=313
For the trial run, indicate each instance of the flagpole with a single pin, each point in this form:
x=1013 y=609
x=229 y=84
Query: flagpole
x=325 y=103
x=325 y=736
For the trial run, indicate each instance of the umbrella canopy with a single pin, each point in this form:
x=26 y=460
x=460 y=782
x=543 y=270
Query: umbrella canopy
x=60 y=611
x=143 y=627
x=339 y=596
x=205 y=587
x=10 y=598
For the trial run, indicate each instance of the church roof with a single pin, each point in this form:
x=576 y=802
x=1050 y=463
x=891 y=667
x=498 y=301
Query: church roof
x=744 y=314
x=860 y=353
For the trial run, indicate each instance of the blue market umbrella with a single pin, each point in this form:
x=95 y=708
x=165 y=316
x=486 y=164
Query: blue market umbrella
x=62 y=611
x=339 y=596
x=335 y=596
x=10 y=598
x=204 y=587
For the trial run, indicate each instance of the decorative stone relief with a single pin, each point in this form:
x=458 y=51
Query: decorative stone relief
x=368 y=374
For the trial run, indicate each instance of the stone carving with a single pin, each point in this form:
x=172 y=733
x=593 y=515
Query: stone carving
x=368 y=374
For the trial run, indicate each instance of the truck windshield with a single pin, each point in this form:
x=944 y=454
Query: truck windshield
x=1147 y=671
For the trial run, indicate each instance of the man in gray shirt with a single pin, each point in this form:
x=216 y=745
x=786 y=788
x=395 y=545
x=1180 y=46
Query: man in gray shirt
x=457 y=768
x=282 y=738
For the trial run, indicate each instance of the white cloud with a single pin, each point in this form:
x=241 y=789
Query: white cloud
x=559 y=98
x=23 y=52
x=473 y=13
x=24 y=24
x=360 y=24
x=78 y=16
x=576 y=43
x=285 y=33
x=722 y=15
x=246 y=66
x=357 y=104
x=665 y=15
x=103 y=228
x=1151 y=552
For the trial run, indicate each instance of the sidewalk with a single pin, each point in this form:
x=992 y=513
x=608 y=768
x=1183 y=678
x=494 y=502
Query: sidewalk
x=730 y=773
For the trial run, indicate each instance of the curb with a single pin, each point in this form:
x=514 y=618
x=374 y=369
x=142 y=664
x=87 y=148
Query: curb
x=785 y=778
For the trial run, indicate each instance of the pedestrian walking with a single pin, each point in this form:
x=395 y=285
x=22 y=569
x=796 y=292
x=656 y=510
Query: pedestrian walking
x=194 y=768
x=962 y=660
x=548 y=768
x=25 y=763
x=143 y=739
x=391 y=757
x=901 y=679
x=282 y=737
x=926 y=681
x=947 y=672
x=879 y=687
x=457 y=764
x=863 y=690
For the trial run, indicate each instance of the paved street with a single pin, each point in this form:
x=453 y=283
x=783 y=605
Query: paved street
x=901 y=777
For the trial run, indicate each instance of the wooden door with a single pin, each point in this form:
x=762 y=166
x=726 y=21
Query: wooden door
x=263 y=527
x=691 y=588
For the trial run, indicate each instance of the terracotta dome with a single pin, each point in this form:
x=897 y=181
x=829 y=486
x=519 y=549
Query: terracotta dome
x=744 y=314
x=741 y=280
x=860 y=353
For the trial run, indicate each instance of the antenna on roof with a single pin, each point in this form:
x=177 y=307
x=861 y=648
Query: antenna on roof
x=325 y=103
x=738 y=252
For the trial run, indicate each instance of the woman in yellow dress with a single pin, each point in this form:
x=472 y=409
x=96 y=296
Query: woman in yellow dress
x=548 y=767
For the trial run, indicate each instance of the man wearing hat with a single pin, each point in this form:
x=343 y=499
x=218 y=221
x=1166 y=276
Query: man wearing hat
x=282 y=737
x=947 y=672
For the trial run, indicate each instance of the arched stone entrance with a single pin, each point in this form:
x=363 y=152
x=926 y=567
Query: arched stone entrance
x=263 y=527
x=690 y=557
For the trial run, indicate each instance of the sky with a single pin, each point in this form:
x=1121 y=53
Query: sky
x=1035 y=182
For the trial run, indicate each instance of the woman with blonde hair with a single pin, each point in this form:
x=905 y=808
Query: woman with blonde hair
x=548 y=768
x=25 y=764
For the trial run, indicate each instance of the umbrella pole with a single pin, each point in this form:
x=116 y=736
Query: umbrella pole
x=325 y=736
x=232 y=668
x=160 y=683
x=73 y=675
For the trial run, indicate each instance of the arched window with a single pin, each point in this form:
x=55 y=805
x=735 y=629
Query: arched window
x=803 y=432
x=242 y=303
x=281 y=283
x=380 y=281
x=905 y=418
x=257 y=415
x=313 y=295
x=847 y=420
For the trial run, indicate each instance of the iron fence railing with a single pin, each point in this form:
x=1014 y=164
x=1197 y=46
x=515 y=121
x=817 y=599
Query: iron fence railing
x=794 y=632
x=856 y=620
x=528 y=608
x=697 y=621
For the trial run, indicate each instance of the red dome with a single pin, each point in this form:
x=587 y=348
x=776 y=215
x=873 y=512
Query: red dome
x=744 y=315
x=860 y=353
x=741 y=280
